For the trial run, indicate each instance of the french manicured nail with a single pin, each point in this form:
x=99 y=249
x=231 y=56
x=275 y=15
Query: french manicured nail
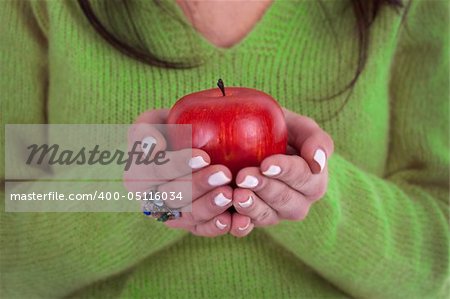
x=320 y=158
x=146 y=144
x=245 y=227
x=246 y=203
x=273 y=170
x=249 y=182
x=221 y=200
x=220 y=225
x=218 y=178
x=197 y=162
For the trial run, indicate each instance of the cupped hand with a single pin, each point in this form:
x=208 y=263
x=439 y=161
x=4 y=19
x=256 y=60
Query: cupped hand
x=206 y=184
x=285 y=186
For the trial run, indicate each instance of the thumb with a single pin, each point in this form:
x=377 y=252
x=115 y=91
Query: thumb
x=148 y=130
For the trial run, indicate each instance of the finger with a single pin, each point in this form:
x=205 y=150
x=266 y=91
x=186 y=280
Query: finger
x=299 y=127
x=316 y=149
x=209 y=206
x=247 y=203
x=143 y=156
x=241 y=225
x=195 y=185
x=146 y=139
x=292 y=170
x=314 y=144
x=145 y=129
x=145 y=142
x=289 y=203
x=220 y=225
x=143 y=176
x=295 y=172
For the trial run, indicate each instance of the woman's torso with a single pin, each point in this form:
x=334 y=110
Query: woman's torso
x=298 y=53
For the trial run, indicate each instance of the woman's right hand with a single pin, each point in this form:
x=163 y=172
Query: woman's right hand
x=211 y=195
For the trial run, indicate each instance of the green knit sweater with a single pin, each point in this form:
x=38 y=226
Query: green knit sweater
x=381 y=230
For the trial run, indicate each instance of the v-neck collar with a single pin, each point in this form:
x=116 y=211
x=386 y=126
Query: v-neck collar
x=254 y=27
x=276 y=14
x=169 y=34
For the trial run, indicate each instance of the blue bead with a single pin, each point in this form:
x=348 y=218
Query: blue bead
x=147 y=213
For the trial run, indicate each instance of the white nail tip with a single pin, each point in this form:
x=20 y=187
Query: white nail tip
x=146 y=144
x=249 y=182
x=245 y=227
x=218 y=178
x=246 y=203
x=220 y=225
x=273 y=170
x=320 y=158
x=197 y=162
x=221 y=200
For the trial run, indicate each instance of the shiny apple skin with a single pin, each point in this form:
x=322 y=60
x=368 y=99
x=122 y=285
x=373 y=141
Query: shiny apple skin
x=237 y=130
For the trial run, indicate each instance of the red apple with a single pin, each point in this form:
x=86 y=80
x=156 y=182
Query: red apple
x=238 y=127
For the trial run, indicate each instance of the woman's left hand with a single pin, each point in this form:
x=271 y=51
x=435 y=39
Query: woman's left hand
x=285 y=186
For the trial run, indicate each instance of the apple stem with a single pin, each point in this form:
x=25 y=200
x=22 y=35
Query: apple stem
x=221 y=86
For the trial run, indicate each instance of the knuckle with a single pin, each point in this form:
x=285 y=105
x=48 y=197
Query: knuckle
x=197 y=218
x=302 y=175
x=296 y=174
x=264 y=215
x=285 y=198
x=289 y=171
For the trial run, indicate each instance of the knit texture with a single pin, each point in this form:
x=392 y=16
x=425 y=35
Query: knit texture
x=381 y=231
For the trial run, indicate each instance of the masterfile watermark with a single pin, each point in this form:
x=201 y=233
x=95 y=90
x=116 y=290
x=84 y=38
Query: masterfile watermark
x=95 y=168
x=96 y=156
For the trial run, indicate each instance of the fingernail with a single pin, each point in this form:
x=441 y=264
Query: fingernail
x=197 y=162
x=245 y=227
x=246 y=203
x=218 y=178
x=273 y=170
x=220 y=225
x=147 y=144
x=320 y=158
x=249 y=182
x=221 y=200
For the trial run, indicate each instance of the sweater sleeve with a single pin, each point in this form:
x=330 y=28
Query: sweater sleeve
x=47 y=255
x=388 y=237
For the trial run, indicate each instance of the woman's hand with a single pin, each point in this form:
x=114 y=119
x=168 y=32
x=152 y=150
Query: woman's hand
x=285 y=186
x=211 y=197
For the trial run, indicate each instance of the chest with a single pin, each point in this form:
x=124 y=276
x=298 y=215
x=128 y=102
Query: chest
x=224 y=23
